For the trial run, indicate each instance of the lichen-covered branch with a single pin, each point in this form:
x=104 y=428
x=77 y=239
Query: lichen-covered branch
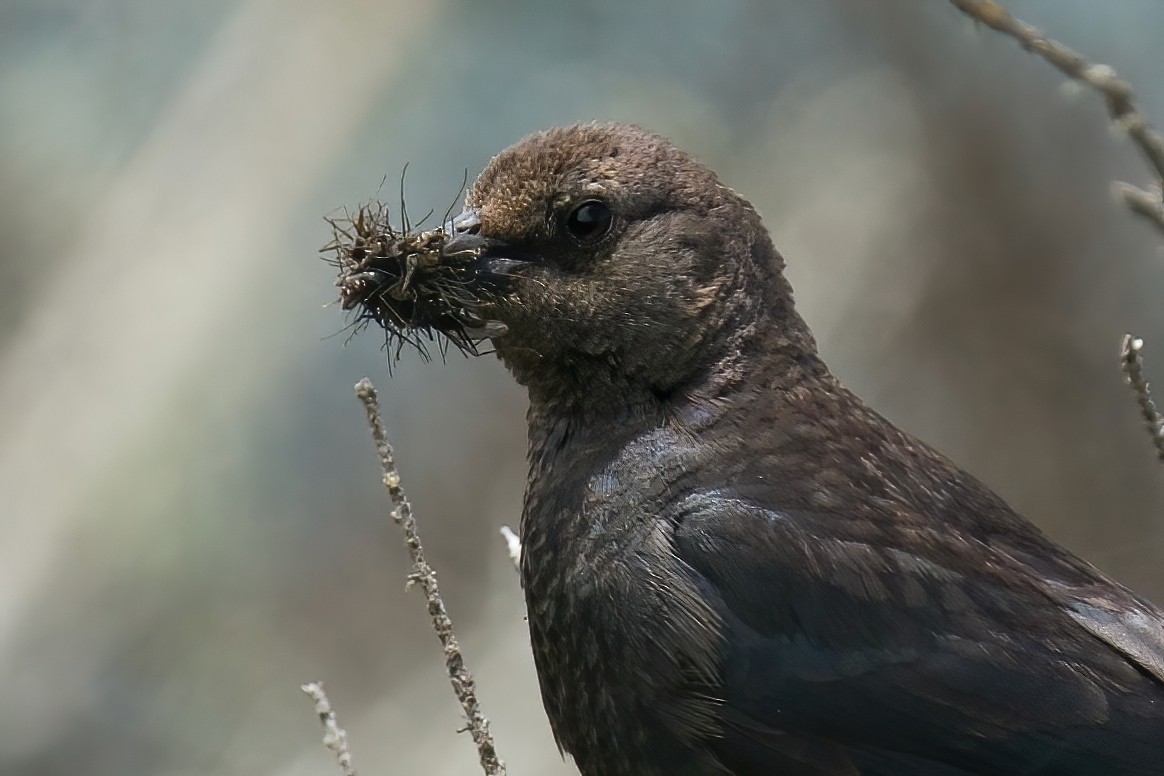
x=424 y=575
x=1133 y=366
x=334 y=737
x=1117 y=94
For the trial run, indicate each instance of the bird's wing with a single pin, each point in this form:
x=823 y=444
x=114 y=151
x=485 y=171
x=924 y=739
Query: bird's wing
x=1130 y=626
x=927 y=653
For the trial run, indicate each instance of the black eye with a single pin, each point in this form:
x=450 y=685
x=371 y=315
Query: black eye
x=590 y=221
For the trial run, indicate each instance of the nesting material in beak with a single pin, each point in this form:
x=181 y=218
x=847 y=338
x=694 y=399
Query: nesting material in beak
x=413 y=284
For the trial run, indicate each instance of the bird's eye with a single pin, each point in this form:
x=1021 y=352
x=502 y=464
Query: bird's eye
x=590 y=221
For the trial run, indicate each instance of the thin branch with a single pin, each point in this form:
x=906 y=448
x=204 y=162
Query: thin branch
x=1133 y=366
x=1116 y=92
x=424 y=575
x=1141 y=202
x=334 y=737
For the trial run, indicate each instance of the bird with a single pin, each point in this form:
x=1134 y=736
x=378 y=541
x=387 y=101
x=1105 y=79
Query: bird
x=731 y=564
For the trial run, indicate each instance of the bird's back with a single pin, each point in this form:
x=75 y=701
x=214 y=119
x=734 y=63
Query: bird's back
x=892 y=610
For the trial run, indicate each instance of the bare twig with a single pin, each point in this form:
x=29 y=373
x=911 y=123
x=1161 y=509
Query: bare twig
x=1116 y=92
x=334 y=737
x=512 y=546
x=1133 y=366
x=424 y=575
x=1145 y=203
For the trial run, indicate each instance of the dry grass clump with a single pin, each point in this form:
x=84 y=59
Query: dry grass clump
x=405 y=281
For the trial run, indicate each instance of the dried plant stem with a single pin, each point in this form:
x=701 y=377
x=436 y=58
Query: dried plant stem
x=1116 y=92
x=334 y=737
x=424 y=575
x=1133 y=366
x=1145 y=203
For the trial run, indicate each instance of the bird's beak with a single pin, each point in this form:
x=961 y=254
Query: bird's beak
x=465 y=231
x=495 y=257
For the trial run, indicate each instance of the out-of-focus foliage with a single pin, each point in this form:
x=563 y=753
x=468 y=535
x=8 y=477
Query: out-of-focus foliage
x=192 y=522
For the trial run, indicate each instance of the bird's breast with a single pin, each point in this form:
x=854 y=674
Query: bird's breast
x=624 y=644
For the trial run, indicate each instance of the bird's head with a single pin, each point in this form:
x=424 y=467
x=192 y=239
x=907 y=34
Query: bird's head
x=607 y=259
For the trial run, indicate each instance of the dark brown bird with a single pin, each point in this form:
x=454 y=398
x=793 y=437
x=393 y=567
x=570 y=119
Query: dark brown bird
x=731 y=564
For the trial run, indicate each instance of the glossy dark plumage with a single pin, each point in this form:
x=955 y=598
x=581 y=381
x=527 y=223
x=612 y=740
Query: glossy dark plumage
x=731 y=564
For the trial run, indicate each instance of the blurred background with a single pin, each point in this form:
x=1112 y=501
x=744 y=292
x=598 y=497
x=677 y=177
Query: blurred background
x=191 y=518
